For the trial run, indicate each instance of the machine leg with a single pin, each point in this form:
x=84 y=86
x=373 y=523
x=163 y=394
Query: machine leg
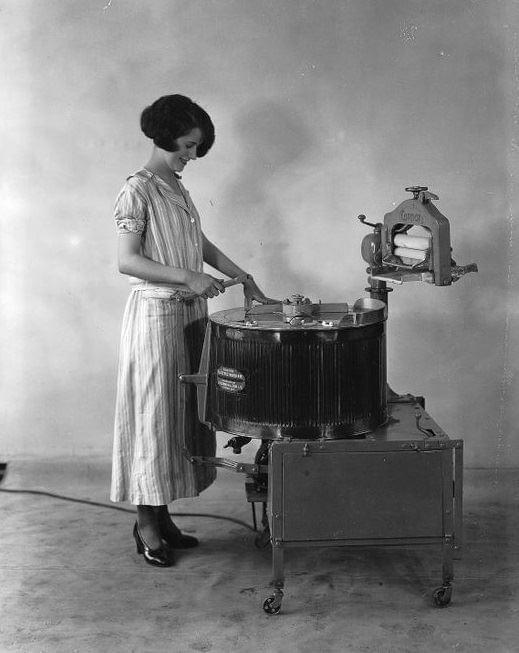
x=272 y=604
x=458 y=501
x=442 y=595
x=262 y=540
x=254 y=522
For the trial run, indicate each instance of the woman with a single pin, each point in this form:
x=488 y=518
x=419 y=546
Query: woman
x=162 y=247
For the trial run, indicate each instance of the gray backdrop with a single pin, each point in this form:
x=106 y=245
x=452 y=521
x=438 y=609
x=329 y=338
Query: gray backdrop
x=323 y=110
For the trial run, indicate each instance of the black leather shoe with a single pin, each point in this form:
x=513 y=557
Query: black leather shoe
x=174 y=538
x=156 y=557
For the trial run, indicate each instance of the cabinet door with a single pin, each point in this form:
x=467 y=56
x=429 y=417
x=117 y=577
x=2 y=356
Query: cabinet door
x=361 y=495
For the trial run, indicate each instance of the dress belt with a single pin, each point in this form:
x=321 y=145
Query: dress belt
x=163 y=291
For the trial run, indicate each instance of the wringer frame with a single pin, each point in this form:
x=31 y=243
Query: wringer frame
x=369 y=466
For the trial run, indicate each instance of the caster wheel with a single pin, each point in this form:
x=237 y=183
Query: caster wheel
x=442 y=596
x=269 y=606
x=272 y=604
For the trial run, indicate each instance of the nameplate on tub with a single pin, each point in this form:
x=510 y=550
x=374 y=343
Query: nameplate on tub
x=229 y=379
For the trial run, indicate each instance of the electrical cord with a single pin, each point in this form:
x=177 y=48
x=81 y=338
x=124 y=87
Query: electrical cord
x=87 y=502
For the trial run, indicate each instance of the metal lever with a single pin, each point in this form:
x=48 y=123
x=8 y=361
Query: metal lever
x=459 y=270
x=241 y=468
x=362 y=218
x=239 y=279
x=226 y=284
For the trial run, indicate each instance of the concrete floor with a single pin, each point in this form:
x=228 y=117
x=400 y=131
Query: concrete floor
x=70 y=579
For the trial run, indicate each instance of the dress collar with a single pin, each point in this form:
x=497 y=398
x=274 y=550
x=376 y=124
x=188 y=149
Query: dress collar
x=180 y=199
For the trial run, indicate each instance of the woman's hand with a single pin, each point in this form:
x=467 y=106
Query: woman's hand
x=204 y=285
x=252 y=291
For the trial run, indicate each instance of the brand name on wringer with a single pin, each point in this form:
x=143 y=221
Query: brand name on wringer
x=415 y=218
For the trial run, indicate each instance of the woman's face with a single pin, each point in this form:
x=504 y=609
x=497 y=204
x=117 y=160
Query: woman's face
x=186 y=150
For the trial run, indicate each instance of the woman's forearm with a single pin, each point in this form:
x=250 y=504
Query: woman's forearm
x=220 y=261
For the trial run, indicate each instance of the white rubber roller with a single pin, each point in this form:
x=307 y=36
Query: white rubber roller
x=406 y=252
x=412 y=242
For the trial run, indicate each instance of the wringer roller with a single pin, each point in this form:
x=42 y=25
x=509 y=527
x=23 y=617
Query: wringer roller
x=342 y=460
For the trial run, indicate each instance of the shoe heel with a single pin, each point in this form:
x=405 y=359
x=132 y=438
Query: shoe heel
x=138 y=541
x=156 y=557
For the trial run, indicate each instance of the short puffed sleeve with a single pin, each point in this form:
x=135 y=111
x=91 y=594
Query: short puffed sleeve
x=130 y=209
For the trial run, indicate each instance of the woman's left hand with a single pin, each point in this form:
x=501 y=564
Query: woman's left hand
x=252 y=292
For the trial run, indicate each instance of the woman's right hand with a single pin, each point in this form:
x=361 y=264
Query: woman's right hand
x=204 y=285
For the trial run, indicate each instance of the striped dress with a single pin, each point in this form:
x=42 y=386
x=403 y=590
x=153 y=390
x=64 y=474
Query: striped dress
x=155 y=415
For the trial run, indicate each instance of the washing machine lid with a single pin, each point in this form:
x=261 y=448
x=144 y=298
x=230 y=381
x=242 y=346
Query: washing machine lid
x=298 y=312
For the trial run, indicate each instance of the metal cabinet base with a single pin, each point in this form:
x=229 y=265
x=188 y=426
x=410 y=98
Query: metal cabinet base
x=401 y=485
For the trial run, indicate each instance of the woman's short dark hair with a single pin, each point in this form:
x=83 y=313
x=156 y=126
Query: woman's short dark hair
x=172 y=116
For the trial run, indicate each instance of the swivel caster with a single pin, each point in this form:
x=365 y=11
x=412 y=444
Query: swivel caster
x=442 y=596
x=272 y=604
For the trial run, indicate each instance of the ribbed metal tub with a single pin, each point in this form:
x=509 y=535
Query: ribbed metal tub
x=325 y=378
